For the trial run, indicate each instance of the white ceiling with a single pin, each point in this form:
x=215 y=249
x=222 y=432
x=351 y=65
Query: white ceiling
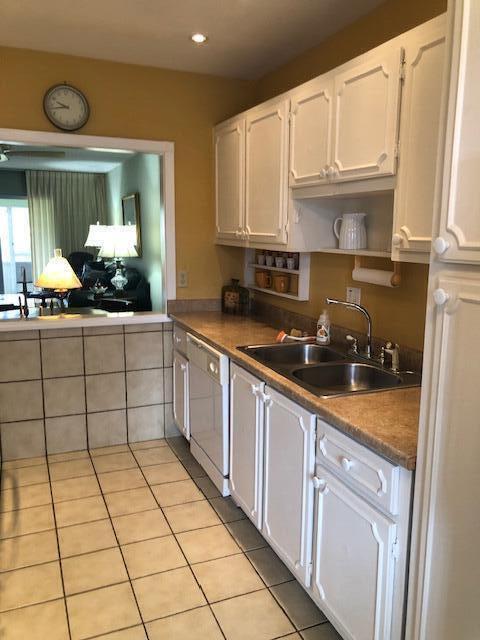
x=247 y=38
x=75 y=159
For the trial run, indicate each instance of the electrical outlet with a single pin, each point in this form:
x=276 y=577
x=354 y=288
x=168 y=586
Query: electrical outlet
x=182 y=279
x=354 y=294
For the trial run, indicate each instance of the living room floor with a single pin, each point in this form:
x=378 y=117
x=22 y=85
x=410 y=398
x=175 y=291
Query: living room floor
x=132 y=542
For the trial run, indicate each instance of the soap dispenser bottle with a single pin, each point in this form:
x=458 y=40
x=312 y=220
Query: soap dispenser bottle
x=323 y=328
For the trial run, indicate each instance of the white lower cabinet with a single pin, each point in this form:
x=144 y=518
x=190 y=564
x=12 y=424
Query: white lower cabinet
x=272 y=460
x=288 y=490
x=340 y=523
x=354 y=561
x=181 y=412
x=246 y=442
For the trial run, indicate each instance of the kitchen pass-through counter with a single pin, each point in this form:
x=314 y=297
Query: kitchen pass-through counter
x=384 y=421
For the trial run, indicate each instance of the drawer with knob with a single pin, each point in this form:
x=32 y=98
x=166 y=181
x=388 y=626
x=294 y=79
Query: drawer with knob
x=364 y=470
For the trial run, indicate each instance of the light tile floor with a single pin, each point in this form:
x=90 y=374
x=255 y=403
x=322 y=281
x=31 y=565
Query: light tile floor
x=135 y=542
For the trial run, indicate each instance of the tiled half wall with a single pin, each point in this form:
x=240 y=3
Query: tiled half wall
x=65 y=390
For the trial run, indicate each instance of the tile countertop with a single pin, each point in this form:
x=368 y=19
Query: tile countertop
x=384 y=421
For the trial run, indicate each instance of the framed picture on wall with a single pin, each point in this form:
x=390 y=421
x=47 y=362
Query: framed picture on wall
x=131 y=215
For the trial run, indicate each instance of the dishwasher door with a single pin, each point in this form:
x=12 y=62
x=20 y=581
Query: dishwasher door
x=208 y=395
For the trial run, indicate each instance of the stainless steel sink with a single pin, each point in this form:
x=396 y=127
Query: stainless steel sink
x=327 y=371
x=347 y=377
x=293 y=354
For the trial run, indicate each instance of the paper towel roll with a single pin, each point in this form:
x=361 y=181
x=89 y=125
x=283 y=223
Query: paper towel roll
x=373 y=276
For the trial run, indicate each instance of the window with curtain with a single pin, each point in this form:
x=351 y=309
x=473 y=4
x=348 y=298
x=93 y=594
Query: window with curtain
x=61 y=206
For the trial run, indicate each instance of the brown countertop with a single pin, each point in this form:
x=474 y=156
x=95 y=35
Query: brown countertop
x=384 y=421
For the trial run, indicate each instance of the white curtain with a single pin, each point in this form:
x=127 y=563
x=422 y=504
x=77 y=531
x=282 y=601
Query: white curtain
x=62 y=205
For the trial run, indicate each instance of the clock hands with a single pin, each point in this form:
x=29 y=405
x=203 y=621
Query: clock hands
x=61 y=105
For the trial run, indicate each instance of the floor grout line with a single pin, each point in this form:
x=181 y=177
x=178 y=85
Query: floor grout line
x=102 y=495
x=123 y=557
x=184 y=555
x=59 y=556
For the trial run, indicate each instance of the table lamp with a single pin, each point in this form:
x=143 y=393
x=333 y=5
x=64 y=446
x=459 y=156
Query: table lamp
x=118 y=243
x=96 y=235
x=59 y=276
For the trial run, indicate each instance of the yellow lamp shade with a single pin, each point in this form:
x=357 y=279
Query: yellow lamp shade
x=58 y=274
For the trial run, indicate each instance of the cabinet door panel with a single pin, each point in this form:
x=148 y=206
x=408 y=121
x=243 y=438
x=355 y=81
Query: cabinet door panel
x=246 y=442
x=266 y=173
x=288 y=489
x=451 y=469
x=310 y=132
x=229 y=179
x=180 y=394
x=460 y=217
x=353 y=572
x=421 y=103
x=366 y=116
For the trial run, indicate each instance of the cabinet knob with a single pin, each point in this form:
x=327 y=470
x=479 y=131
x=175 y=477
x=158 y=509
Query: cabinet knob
x=267 y=400
x=397 y=239
x=440 y=245
x=323 y=173
x=440 y=297
x=331 y=171
x=213 y=368
x=183 y=366
x=346 y=464
x=319 y=483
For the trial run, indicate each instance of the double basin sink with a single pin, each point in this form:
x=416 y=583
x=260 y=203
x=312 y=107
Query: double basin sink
x=325 y=371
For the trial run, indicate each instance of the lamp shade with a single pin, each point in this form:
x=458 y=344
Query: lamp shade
x=96 y=234
x=58 y=274
x=119 y=242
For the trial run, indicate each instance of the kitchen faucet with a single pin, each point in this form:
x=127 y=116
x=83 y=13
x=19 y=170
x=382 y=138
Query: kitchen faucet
x=362 y=310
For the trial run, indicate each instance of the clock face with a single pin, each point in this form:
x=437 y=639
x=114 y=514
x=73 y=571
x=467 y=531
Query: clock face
x=66 y=107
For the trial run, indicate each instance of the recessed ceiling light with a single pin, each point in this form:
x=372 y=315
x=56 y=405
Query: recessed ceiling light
x=198 y=38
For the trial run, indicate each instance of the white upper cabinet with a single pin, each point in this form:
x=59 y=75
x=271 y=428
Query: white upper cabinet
x=419 y=132
x=229 y=179
x=288 y=490
x=246 y=442
x=458 y=239
x=354 y=563
x=310 y=132
x=344 y=125
x=266 y=173
x=367 y=98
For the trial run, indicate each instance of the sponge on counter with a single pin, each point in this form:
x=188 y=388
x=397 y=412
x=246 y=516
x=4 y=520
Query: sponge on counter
x=294 y=333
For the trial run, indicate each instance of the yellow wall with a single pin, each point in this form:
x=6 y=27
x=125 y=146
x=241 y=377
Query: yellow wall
x=142 y=102
x=388 y=20
x=145 y=102
x=398 y=314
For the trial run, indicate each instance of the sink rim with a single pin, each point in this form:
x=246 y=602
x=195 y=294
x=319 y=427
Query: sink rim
x=407 y=379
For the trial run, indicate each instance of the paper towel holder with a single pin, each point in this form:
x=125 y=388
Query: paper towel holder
x=395 y=279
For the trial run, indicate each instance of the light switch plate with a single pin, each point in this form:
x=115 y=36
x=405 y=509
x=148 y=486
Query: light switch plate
x=182 y=279
x=354 y=294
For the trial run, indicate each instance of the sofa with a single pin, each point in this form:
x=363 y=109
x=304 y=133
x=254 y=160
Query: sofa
x=134 y=297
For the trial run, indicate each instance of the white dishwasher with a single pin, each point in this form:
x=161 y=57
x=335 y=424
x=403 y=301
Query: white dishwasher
x=209 y=410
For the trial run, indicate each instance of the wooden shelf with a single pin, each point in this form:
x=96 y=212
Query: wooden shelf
x=357 y=252
x=299 y=278
x=254 y=265
x=290 y=296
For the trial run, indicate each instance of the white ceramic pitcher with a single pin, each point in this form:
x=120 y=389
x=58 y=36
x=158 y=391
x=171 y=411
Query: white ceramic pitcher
x=352 y=234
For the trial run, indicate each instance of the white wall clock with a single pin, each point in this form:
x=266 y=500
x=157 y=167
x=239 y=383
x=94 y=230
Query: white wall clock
x=66 y=107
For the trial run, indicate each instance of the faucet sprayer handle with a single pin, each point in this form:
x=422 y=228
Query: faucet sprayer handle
x=353 y=341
